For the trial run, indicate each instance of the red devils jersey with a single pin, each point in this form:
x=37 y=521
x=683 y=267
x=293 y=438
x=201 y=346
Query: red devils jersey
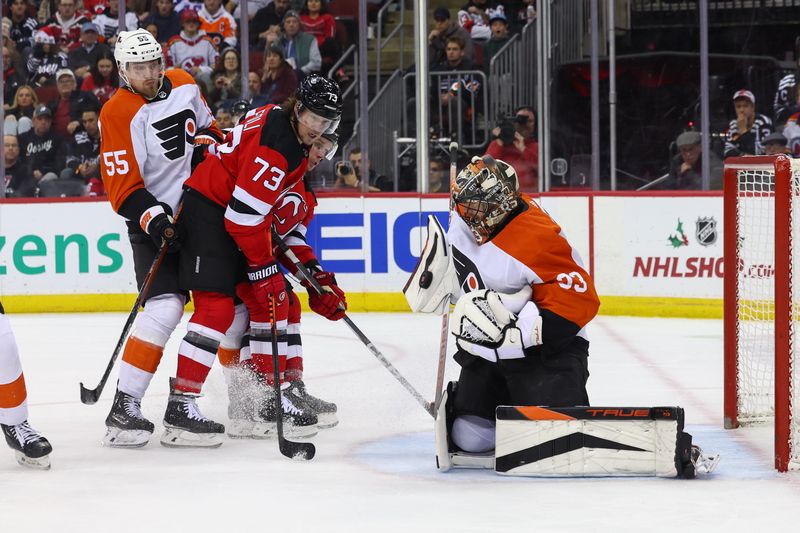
x=292 y=216
x=258 y=163
x=530 y=250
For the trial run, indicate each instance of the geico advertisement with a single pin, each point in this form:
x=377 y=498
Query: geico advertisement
x=659 y=246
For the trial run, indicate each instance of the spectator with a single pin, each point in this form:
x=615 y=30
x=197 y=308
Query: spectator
x=215 y=19
x=515 y=144
x=299 y=48
x=192 y=50
x=226 y=80
x=66 y=24
x=253 y=7
x=775 y=144
x=685 y=170
x=785 y=104
x=180 y=5
x=224 y=119
x=11 y=77
x=103 y=79
x=267 y=19
x=18 y=181
x=348 y=175
x=792 y=128
x=82 y=58
x=19 y=114
x=474 y=18
x=744 y=133
x=499 y=26
x=166 y=20
x=41 y=147
x=108 y=22
x=443 y=29
x=316 y=20
x=83 y=159
x=455 y=60
x=23 y=26
x=438 y=178
x=70 y=104
x=257 y=98
x=45 y=60
x=279 y=80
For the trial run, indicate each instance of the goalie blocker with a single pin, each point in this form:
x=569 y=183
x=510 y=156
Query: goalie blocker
x=581 y=442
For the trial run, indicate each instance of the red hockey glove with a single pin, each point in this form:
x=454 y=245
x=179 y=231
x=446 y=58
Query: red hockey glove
x=332 y=303
x=268 y=282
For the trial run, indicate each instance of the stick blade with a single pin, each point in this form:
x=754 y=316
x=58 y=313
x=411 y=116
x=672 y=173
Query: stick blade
x=89 y=396
x=301 y=451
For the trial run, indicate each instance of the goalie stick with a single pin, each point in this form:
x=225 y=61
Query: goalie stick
x=446 y=314
x=305 y=274
x=293 y=450
x=90 y=396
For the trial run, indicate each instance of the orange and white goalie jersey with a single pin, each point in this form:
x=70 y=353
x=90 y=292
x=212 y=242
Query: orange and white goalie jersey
x=148 y=144
x=530 y=250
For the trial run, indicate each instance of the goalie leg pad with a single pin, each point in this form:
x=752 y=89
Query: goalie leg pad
x=447 y=455
x=594 y=441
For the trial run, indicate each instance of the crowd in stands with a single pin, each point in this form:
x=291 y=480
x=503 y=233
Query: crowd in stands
x=59 y=70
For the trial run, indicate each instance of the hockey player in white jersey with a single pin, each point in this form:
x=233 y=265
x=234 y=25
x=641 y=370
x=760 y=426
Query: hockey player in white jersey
x=148 y=131
x=30 y=447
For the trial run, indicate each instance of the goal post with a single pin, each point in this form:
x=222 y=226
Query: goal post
x=762 y=269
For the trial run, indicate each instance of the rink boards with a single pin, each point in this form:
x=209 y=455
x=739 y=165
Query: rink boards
x=651 y=255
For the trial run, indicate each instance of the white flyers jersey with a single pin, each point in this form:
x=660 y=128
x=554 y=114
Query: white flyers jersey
x=148 y=144
x=530 y=250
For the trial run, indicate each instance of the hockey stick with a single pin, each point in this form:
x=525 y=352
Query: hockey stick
x=305 y=274
x=90 y=396
x=446 y=315
x=291 y=449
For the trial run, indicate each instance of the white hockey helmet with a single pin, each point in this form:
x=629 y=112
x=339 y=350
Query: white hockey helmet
x=137 y=46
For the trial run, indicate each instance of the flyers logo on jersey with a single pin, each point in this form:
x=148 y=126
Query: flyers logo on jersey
x=291 y=212
x=468 y=277
x=175 y=132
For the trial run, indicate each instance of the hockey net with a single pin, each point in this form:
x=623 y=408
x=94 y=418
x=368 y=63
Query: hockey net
x=762 y=299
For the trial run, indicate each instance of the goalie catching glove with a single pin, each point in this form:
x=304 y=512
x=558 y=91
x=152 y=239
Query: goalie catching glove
x=332 y=303
x=485 y=325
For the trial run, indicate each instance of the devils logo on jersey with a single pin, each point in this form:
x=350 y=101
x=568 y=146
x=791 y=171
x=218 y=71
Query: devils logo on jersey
x=175 y=132
x=291 y=212
x=468 y=277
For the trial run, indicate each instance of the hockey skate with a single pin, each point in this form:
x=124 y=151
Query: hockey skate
x=126 y=425
x=243 y=394
x=30 y=447
x=186 y=427
x=325 y=411
x=299 y=419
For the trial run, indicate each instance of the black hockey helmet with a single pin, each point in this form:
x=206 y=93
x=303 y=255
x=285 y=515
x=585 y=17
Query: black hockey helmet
x=484 y=193
x=240 y=107
x=320 y=96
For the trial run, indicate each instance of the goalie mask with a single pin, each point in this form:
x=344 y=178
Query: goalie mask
x=484 y=193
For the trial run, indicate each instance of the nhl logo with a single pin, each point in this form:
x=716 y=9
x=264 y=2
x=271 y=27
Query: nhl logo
x=706 y=231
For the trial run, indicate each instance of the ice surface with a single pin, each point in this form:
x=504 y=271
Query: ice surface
x=375 y=471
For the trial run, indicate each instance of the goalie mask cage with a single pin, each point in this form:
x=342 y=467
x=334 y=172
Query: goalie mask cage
x=762 y=299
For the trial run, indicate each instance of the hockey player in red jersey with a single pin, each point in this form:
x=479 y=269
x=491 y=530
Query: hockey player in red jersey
x=291 y=219
x=148 y=132
x=30 y=447
x=229 y=206
x=525 y=300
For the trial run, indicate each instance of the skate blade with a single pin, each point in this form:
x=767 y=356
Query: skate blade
x=40 y=463
x=249 y=429
x=327 y=420
x=126 y=438
x=180 y=438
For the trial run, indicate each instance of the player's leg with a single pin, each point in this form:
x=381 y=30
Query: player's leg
x=480 y=390
x=299 y=420
x=184 y=424
x=549 y=377
x=325 y=411
x=126 y=426
x=30 y=447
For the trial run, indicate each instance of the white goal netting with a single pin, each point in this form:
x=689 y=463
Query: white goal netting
x=755 y=299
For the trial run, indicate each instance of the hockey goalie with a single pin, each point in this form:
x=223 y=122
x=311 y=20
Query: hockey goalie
x=523 y=301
